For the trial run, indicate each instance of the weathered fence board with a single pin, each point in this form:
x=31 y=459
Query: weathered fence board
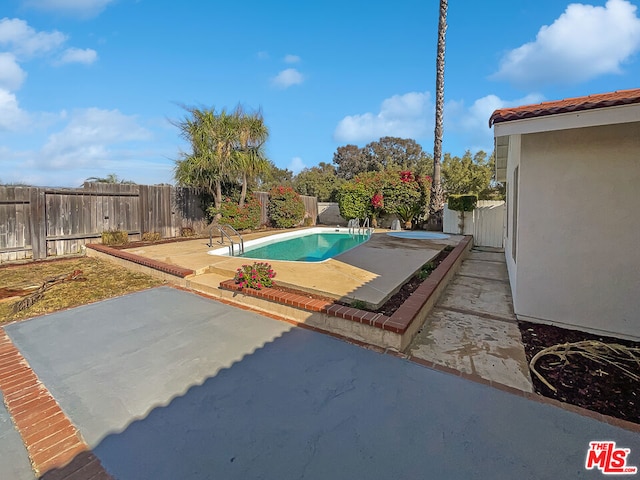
x=40 y=222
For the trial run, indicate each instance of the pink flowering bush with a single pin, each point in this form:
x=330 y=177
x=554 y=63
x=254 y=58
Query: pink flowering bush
x=256 y=276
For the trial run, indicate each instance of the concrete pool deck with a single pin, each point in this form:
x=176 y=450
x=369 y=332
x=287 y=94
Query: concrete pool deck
x=371 y=272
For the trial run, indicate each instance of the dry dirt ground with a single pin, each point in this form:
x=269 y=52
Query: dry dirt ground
x=49 y=286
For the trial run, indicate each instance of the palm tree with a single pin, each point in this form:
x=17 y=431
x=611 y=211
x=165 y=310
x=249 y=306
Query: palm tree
x=250 y=159
x=212 y=139
x=436 y=203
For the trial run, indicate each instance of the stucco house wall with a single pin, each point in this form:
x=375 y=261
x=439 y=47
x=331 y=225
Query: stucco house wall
x=577 y=227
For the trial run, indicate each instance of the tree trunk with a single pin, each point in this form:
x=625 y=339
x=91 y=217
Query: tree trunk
x=436 y=203
x=218 y=196
x=243 y=192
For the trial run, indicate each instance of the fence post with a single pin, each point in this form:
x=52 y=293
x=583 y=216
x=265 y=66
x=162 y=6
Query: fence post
x=38 y=223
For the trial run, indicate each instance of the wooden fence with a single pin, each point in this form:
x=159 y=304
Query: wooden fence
x=40 y=222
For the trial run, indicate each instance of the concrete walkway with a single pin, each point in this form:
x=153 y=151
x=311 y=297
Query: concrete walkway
x=473 y=328
x=165 y=384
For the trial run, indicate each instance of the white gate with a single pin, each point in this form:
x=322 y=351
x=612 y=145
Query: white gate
x=485 y=223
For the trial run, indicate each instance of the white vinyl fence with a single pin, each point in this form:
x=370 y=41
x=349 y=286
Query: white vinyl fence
x=485 y=223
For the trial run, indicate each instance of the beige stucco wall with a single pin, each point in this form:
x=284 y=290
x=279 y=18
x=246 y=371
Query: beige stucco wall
x=513 y=162
x=578 y=245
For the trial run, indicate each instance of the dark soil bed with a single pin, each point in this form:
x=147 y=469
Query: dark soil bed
x=394 y=303
x=581 y=381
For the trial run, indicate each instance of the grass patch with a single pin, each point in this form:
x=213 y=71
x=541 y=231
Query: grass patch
x=101 y=280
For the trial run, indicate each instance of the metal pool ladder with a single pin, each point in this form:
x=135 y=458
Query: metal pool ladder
x=354 y=226
x=226 y=231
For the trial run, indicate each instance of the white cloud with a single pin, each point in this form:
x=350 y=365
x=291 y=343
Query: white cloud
x=583 y=43
x=22 y=40
x=86 y=56
x=287 y=78
x=12 y=117
x=11 y=75
x=406 y=116
x=291 y=59
x=76 y=8
x=296 y=165
x=472 y=123
x=88 y=138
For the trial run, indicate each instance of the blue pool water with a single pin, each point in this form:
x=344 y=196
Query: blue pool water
x=314 y=247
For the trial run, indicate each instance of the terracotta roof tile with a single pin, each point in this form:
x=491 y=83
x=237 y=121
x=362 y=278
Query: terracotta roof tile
x=590 y=102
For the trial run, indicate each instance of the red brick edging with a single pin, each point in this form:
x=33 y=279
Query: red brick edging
x=147 y=262
x=55 y=447
x=399 y=322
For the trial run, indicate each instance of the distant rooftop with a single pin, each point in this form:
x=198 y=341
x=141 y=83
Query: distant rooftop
x=590 y=102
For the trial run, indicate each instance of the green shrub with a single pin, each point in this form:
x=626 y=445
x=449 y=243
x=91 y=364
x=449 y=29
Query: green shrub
x=426 y=270
x=286 y=208
x=240 y=218
x=462 y=203
x=256 y=276
x=407 y=212
x=354 y=200
x=359 y=304
x=115 y=237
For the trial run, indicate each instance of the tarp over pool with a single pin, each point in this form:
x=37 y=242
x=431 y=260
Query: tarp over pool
x=419 y=235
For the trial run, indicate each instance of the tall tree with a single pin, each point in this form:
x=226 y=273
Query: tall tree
x=224 y=147
x=436 y=203
x=393 y=152
x=350 y=161
x=469 y=174
x=320 y=181
x=385 y=153
x=211 y=137
x=274 y=177
x=250 y=158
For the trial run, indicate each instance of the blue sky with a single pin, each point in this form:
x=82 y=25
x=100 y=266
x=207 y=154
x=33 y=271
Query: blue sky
x=90 y=87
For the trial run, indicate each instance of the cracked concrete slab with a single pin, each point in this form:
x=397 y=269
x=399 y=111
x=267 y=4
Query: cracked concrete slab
x=489 y=348
x=473 y=328
x=481 y=295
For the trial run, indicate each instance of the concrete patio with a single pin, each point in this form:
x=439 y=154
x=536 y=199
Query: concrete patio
x=165 y=384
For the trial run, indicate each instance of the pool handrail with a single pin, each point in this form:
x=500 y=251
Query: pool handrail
x=223 y=234
x=355 y=227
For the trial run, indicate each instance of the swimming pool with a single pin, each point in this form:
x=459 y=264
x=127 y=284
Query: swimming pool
x=313 y=245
